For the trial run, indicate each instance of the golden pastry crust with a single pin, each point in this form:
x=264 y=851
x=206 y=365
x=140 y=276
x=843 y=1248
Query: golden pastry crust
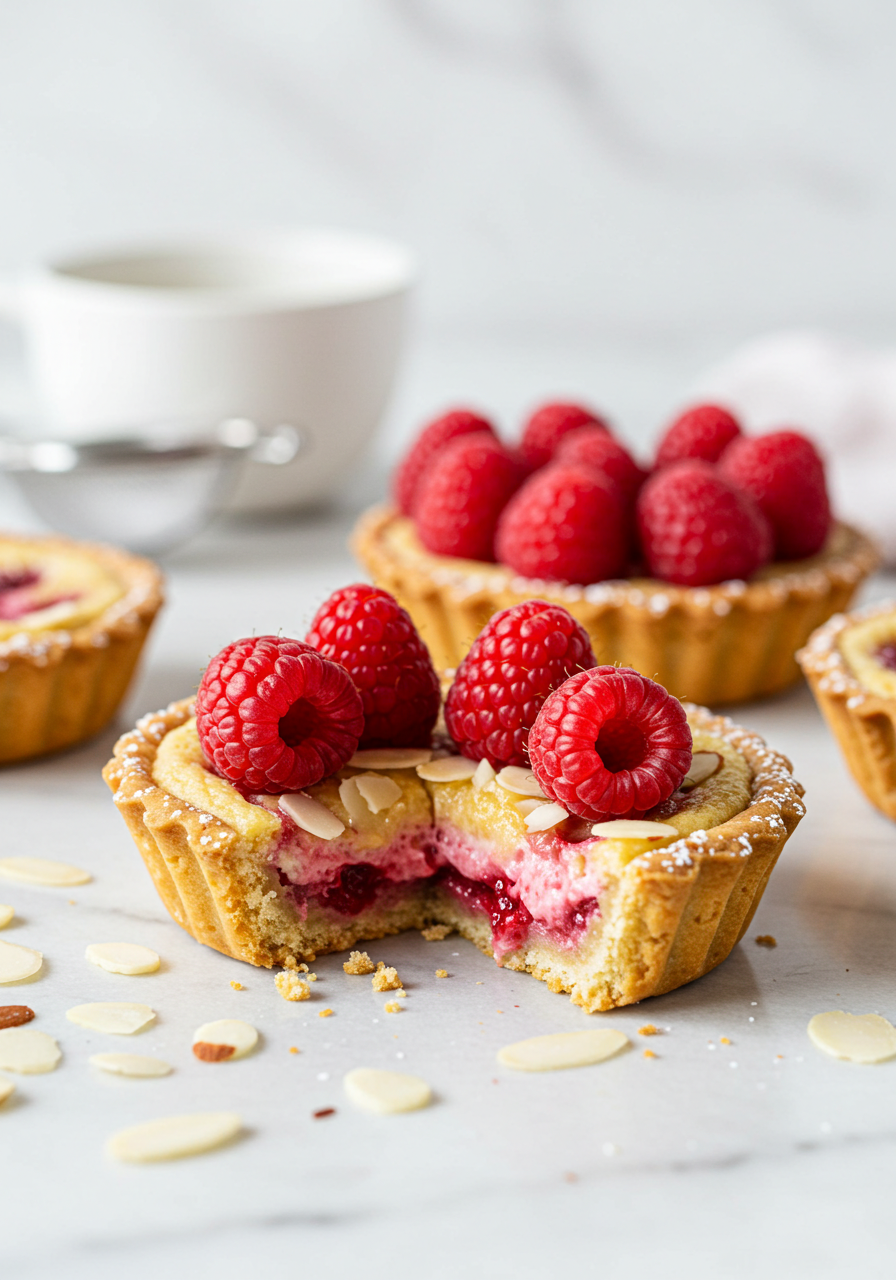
x=862 y=719
x=59 y=687
x=668 y=917
x=715 y=645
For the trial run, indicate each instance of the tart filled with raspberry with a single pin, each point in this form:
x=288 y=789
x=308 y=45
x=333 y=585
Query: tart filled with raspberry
x=707 y=569
x=73 y=620
x=572 y=819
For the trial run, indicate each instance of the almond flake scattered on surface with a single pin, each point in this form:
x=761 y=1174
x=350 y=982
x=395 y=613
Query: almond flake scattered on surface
x=43 y=871
x=6 y=1088
x=385 y=979
x=563 y=1049
x=18 y=963
x=130 y=1064
x=632 y=829
x=116 y=1019
x=378 y=791
x=391 y=758
x=545 y=817
x=484 y=775
x=437 y=932
x=386 y=1092
x=15 y=1015
x=865 y=1037
x=393 y=1006
x=703 y=765
x=174 y=1137
x=291 y=986
x=6 y=914
x=520 y=781
x=358 y=963
x=312 y=816
x=127 y=958
x=28 y=1051
x=224 y=1040
x=447 y=769
x=766 y=940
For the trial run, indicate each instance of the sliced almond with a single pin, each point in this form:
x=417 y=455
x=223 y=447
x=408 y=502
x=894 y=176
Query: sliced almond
x=386 y=1092
x=112 y=1018
x=390 y=758
x=484 y=775
x=7 y=1087
x=6 y=914
x=354 y=803
x=28 y=1051
x=378 y=791
x=123 y=957
x=545 y=817
x=562 y=1050
x=447 y=769
x=43 y=871
x=520 y=781
x=864 y=1037
x=18 y=962
x=224 y=1040
x=529 y=805
x=633 y=829
x=703 y=765
x=130 y=1064
x=174 y=1138
x=312 y=816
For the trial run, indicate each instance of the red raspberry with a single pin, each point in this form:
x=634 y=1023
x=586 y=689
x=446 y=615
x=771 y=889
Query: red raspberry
x=367 y=631
x=433 y=438
x=548 y=425
x=697 y=529
x=564 y=525
x=275 y=715
x=610 y=743
x=784 y=473
x=520 y=655
x=460 y=499
x=596 y=450
x=702 y=432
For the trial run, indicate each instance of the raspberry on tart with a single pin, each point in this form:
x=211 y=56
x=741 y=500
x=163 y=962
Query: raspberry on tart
x=596 y=450
x=784 y=473
x=549 y=425
x=366 y=630
x=431 y=440
x=520 y=656
x=458 y=502
x=703 y=432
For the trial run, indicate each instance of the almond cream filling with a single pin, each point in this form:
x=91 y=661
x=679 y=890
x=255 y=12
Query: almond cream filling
x=72 y=588
x=859 y=645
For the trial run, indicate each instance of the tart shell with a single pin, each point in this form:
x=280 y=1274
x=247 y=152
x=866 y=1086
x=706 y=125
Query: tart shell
x=721 y=644
x=58 y=687
x=674 y=913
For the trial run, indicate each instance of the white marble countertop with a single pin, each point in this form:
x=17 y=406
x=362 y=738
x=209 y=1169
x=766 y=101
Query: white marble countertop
x=711 y=1160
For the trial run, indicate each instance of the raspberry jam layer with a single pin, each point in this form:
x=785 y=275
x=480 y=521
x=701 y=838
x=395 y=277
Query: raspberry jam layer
x=886 y=655
x=510 y=920
x=17 y=597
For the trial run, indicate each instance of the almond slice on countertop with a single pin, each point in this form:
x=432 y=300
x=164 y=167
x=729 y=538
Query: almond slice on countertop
x=113 y=1018
x=18 y=962
x=42 y=871
x=378 y=791
x=864 y=1037
x=386 y=1092
x=6 y=1088
x=312 y=816
x=633 y=829
x=123 y=957
x=224 y=1040
x=15 y=1015
x=563 y=1049
x=484 y=775
x=703 y=765
x=6 y=914
x=390 y=758
x=174 y=1137
x=546 y=816
x=522 y=782
x=354 y=803
x=130 y=1064
x=447 y=769
x=28 y=1051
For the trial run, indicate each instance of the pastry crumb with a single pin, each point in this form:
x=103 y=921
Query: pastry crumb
x=237 y=986
x=393 y=1006
x=648 y=1053
x=290 y=963
x=293 y=1048
x=359 y=962
x=437 y=932
x=441 y=973
x=724 y=1040
x=766 y=940
x=292 y=987
x=385 y=979
x=325 y=1013
x=649 y=1030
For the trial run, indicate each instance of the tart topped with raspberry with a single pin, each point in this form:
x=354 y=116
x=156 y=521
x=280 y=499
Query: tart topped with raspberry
x=571 y=819
x=708 y=569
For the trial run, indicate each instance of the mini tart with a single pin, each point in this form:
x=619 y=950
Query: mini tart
x=612 y=921
x=719 y=644
x=73 y=620
x=857 y=695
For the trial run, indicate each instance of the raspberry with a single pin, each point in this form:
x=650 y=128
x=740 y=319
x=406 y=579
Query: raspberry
x=565 y=525
x=702 y=432
x=609 y=743
x=275 y=715
x=432 y=439
x=596 y=450
x=784 y=473
x=458 y=503
x=548 y=425
x=367 y=631
x=696 y=528
x=520 y=655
